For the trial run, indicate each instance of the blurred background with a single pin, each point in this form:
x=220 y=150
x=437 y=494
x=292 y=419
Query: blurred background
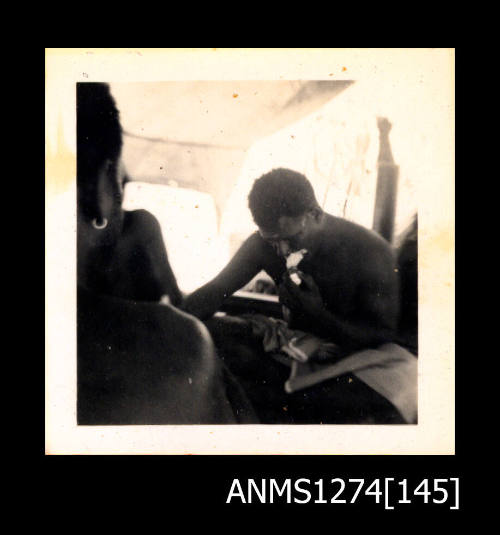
x=193 y=149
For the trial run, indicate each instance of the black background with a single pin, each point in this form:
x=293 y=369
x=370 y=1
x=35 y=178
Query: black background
x=146 y=493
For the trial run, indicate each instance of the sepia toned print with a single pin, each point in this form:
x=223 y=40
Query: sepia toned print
x=198 y=326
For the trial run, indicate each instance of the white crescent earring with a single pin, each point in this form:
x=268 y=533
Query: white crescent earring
x=99 y=225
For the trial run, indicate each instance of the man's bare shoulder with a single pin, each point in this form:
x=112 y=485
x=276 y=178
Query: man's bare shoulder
x=357 y=249
x=183 y=337
x=345 y=233
x=157 y=325
x=255 y=240
x=140 y=222
x=256 y=247
x=184 y=327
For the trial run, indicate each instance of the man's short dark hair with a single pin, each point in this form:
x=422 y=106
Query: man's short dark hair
x=280 y=192
x=98 y=134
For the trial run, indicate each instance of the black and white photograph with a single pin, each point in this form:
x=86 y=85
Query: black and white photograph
x=250 y=251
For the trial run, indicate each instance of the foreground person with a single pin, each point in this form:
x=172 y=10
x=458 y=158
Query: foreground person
x=138 y=362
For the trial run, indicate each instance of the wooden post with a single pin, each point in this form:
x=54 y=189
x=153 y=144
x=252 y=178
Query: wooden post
x=387 y=183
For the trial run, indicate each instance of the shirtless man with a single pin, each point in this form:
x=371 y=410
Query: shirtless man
x=349 y=290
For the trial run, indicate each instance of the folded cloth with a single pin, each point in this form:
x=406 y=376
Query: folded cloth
x=390 y=369
x=298 y=345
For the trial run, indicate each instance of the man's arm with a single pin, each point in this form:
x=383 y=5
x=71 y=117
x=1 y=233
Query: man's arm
x=161 y=265
x=245 y=264
x=148 y=235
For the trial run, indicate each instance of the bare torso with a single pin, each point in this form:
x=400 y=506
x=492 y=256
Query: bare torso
x=349 y=260
x=139 y=268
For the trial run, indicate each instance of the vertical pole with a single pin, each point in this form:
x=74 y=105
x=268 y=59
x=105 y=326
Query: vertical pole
x=387 y=183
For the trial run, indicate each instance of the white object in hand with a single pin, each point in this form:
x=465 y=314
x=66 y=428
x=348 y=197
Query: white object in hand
x=292 y=261
x=295 y=258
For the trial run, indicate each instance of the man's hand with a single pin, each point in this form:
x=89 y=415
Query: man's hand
x=286 y=298
x=305 y=297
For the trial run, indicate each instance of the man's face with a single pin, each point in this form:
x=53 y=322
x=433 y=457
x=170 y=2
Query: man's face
x=290 y=234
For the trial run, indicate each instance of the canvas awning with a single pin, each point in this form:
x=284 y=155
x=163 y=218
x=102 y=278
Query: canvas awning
x=196 y=134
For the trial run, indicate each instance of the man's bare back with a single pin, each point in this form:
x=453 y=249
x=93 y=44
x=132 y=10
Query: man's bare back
x=139 y=268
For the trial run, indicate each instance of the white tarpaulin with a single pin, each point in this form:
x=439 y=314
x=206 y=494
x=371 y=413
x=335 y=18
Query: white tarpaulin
x=196 y=134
